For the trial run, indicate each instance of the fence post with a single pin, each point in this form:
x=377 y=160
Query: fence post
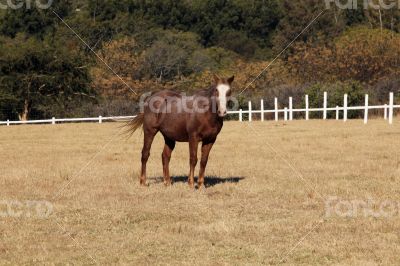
x=286 y=114
x=391 y=100
x=100 y=119
x=337 y=112
x=262 y=110
x=241 y=115
x=325 y=105
x=307 y=109
x=366 y=109
x=276 y=110
x=290 y=108
x=250 y=114
x=385 y=111
x=8 y=122
x=53 y=121
x=345 y=108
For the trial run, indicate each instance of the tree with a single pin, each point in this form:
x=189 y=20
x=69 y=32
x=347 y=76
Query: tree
x=39 y=79
x=362 y=54
x=260 y=19
x=122 y=55
x=33 y=21
x=238 y=42
x=300 y=13
x=168 y=57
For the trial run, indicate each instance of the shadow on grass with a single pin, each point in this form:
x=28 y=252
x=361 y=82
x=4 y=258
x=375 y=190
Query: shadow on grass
x=209 y=181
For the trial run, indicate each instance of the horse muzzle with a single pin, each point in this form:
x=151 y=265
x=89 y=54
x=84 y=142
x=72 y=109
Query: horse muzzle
x=222 y=113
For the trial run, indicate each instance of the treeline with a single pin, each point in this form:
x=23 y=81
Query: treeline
x=46 y=70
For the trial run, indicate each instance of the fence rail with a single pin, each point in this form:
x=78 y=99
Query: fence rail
x=54 y=120
x=287 y=111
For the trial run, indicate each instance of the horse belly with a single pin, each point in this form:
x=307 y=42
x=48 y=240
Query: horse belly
x=174 y=127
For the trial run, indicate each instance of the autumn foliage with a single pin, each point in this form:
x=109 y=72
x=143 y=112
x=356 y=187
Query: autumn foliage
x=362 y=54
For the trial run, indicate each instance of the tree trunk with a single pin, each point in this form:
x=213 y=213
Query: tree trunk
x=25 y=113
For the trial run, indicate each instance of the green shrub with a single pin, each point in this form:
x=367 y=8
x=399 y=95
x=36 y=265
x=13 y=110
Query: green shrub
x=336 y=91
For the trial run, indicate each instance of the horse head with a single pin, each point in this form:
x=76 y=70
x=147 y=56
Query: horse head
x=222 y=91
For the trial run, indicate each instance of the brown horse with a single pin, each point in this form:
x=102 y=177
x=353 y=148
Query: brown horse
x=194 y=119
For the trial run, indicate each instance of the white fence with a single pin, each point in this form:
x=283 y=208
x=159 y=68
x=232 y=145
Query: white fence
x=54 y=120
x=287 y=112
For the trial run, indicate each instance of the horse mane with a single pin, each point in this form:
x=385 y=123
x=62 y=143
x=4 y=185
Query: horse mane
x=209 y=92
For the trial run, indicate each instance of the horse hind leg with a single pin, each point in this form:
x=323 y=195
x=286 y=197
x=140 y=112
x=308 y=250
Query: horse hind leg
x=166 y=157
x=193 y=144
x=148 y=140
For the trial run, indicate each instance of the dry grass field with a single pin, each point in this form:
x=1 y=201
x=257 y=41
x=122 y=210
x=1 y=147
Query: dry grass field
x=265 y=203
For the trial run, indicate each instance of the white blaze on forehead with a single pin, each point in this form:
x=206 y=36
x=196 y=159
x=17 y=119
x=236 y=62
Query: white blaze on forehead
x=222 y=91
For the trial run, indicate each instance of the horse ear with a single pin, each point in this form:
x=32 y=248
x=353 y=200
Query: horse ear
x=231 y=79
x=216 y=79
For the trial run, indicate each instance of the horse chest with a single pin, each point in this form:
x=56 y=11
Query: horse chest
x=210 y=131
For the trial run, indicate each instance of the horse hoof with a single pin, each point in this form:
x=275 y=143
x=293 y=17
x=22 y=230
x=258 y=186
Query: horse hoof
x=201 y=187
x=144 y=184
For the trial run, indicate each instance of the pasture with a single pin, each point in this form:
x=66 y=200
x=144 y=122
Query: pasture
x=265 y=202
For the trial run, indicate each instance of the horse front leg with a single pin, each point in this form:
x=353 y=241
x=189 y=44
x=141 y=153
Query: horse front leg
x=193 y=144
x=205 y=152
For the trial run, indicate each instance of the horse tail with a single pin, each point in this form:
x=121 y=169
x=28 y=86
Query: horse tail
x=134 y=124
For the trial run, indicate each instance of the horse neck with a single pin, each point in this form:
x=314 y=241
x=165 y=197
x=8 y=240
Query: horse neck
x=212 y=111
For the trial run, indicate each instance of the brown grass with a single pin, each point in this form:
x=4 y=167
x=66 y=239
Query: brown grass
x=255 y=210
